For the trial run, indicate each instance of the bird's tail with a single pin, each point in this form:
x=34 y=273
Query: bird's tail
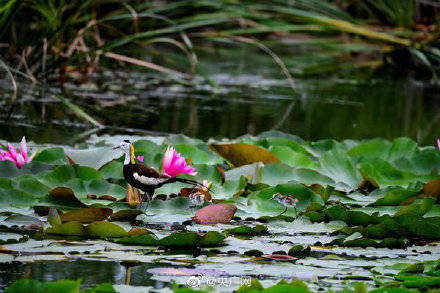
x=188 y=181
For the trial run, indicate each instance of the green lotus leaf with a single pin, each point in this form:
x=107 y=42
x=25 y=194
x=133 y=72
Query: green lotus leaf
x=277 y=173
x=357 y=240
x=104 y=229
x=248 y=230
x=336 y=165
x=94 y=158
x=211 y=238
x=32 y=186
x=54 y=156
x=377 y=148
x=278 y=141
x=263 y=199
x=384 y=174
x=64 y=173
x=176 y=239
x=60 y=286
x=112 y=170
x=395 y=196
x=293 y=158
x=9 y=170
x=195 y=155
x=69 y=228
x=16 y=198
x=309 y=177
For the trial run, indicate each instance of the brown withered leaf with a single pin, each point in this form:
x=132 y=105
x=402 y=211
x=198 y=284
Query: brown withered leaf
x=432 y=188
x=87 y=215
x=239 y=154
x=62 y=192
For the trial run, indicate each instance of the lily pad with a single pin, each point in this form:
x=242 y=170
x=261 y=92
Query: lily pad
x=69 y=228
x=336 y=165
x=247 y=230
x=176 y=239
x=94 y=158
x=54 y=156
x=104 y=229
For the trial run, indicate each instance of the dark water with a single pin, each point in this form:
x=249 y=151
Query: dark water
x=89 y=271
x=246 y=93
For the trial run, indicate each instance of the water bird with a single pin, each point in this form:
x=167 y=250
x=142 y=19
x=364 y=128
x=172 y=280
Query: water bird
x=148 y=179
x=286 y=200
x=197 y=199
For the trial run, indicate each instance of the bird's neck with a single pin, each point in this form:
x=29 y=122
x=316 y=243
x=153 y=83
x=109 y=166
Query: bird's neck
x=129 y=156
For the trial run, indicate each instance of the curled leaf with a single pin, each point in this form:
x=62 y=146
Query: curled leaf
x=54 y=218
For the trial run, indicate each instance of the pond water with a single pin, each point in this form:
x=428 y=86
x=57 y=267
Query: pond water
x=90 y=271
x=246 y=93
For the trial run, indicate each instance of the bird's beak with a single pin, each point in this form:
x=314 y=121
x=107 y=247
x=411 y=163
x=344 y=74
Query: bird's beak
x=116 y=147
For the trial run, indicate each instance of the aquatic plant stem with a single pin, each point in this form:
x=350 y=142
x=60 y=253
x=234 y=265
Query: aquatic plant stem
x=150 y=65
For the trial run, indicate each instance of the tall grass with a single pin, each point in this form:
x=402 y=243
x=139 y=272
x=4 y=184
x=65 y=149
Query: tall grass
x=80 y=33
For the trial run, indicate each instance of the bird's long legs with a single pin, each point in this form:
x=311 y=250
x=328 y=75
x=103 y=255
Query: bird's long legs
x=285 y=210
x=145 y=198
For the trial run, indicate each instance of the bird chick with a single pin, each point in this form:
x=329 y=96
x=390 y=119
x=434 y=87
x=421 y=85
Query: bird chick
x=197 y=199
x=286 y=200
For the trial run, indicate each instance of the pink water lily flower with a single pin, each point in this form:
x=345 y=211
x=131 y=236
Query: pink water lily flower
x=175 y=164
x=18 y=158
x=206 y=185
x=438 y=143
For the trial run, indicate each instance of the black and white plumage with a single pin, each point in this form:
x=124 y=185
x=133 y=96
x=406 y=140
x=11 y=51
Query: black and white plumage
x=144 y=178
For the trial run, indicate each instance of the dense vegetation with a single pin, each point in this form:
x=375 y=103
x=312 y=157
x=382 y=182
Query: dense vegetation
x=60 y=36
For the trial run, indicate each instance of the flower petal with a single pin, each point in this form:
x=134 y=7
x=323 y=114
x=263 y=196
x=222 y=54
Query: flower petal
x=7 y=157
x=167 y=158
x=179 y=164
x=174 y=164
x=438 y=143
x=20 y=161
x=23 y=150
x=13 y=151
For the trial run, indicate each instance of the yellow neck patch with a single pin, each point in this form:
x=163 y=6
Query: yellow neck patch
x=131 y=153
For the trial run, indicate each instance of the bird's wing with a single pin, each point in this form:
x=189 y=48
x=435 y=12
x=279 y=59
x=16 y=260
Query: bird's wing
x=148 y=176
